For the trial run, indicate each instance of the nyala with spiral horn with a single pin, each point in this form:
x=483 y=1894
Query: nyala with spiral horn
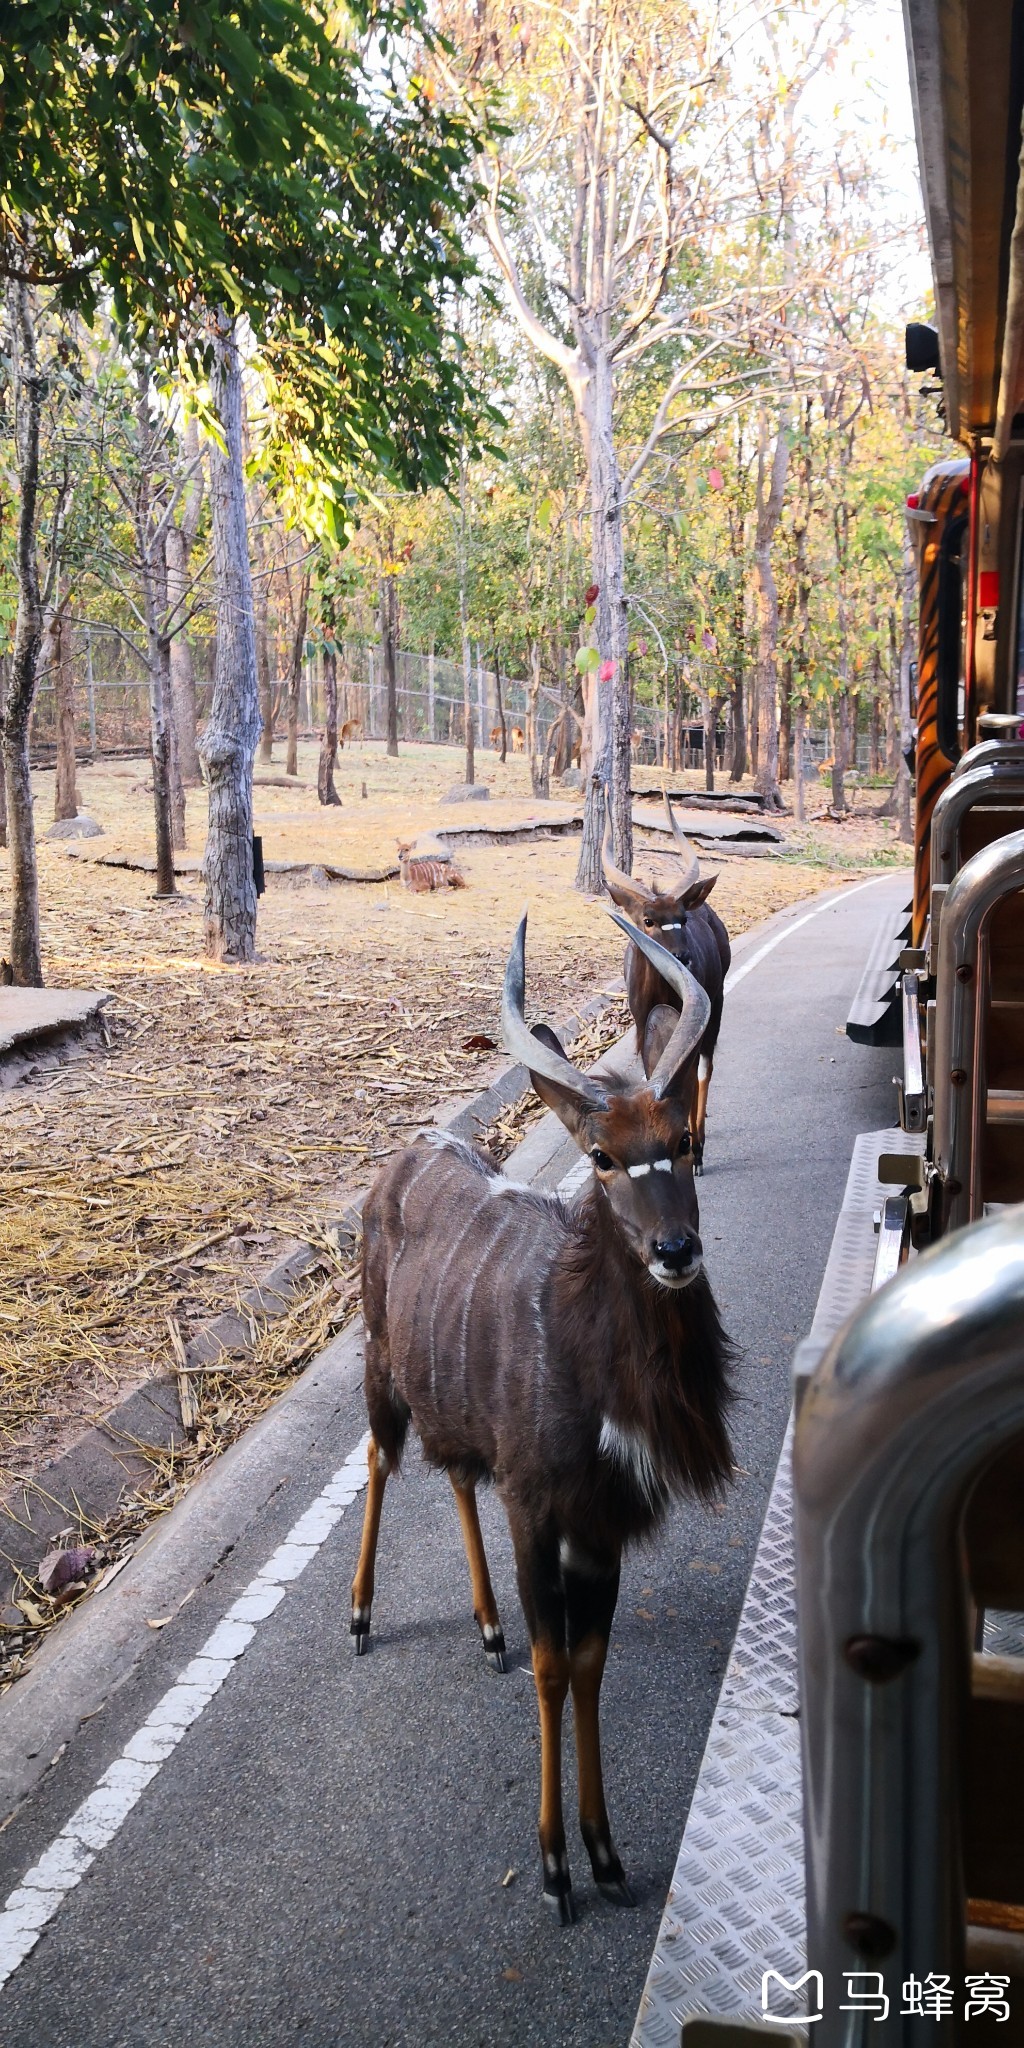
x=682 y=919
x=570 y=1353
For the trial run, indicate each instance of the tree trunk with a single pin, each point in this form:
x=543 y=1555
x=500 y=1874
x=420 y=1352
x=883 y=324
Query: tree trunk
x=771 y=485
x=535 y=745
x=468 y=716
x=65 y=793
x=182 y=681
x=179 y=838
x=785 y=729
x=160 y=755
x=228 y=743
x=261 y=609
x=737 y=543
x=501 y=707
x=30 y=391
x=798 y=762
x=153 y=579
x=4 y=666
x=845 y=752
x=607 y=783
x=389 y=640
x=291 y=766
x=329 y=744
x=709 y=716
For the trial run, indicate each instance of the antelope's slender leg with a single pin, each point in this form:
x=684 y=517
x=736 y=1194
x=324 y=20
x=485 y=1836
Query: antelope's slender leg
x=540 y=1589
x=699 y=1117
x=485 y=1607
x=590 y=1605
x=362 y=1584
x=551 y=1676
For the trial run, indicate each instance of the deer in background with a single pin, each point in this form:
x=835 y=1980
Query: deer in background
x=571 y=1354
x=683 y=920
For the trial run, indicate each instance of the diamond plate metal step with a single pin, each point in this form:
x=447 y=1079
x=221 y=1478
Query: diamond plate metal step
x=735 y=1906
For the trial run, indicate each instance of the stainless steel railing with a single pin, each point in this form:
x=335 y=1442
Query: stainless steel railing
x=989 y=750
x=958 y=1080
x=995 y=781
x=900 y=1417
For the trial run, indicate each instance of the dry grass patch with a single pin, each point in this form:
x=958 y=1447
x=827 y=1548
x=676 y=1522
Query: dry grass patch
x=159 y=1174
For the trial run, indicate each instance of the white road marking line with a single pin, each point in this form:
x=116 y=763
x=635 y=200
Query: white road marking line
x=63 y=1865
x=736 y=974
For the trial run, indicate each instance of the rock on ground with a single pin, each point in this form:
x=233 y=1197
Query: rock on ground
x=82 y=827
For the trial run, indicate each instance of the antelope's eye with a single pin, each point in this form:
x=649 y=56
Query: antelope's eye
x=602 y=1160
x=649 y=922
x=683 y=1146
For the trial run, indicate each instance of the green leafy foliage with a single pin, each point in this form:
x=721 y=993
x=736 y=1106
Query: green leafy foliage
x=173 y=158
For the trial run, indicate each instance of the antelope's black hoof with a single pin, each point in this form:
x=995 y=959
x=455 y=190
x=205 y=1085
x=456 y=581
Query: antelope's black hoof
x=617 y=1890
x=359 y=1630
x=494 y=1646
x=563 y=1904
x=558 y=1887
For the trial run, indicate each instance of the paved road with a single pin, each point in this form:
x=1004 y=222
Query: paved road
x=322 y=1857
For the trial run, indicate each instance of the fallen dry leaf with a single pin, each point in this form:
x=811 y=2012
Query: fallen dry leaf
x=60 y=1567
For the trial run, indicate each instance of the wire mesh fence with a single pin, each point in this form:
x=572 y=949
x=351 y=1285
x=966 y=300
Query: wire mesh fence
x=111 y=692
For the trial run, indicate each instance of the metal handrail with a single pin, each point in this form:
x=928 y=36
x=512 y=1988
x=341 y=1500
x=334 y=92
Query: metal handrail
x=906 y=1408
x=993 y=781
x=989 y=750
x=912 y=1089
x=961 y=997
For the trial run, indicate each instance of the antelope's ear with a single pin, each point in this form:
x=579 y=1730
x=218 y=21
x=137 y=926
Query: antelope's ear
x=633 y=901
x=562 y=1100
x=700 y=892
x=659 y=1028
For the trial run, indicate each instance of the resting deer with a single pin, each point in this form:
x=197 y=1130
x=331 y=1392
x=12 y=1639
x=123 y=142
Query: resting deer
x=573 y=1354
x=694 y=934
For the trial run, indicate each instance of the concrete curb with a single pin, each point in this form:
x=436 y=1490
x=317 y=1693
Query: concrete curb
x=85 y=1486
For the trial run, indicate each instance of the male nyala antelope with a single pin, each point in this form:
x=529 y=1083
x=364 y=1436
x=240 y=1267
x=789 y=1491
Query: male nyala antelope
x=573 y=1354
x=682 y=918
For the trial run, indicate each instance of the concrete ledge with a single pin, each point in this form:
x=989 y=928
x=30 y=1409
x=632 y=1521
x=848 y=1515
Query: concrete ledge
x=33 y=1013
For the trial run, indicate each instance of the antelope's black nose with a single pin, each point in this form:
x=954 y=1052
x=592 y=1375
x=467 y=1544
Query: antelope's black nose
x=677 y=1253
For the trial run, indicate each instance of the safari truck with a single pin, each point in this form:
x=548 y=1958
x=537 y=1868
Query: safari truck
x=853 y=1863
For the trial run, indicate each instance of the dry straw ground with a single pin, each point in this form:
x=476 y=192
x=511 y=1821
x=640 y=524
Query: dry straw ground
x=148 y=1178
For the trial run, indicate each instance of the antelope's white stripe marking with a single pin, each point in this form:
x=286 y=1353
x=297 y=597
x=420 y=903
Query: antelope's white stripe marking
x=703 y=1069
x=442 y=1274
x=467 y=1308
x=670 y=927
x=94 y=1824
x=736 y=974
x=649 y=1166
x=630 y=1448
x=406 y=1192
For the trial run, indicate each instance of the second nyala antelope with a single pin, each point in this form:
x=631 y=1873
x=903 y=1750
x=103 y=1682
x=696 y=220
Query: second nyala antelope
x=573 y=1354
x=683 y=920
